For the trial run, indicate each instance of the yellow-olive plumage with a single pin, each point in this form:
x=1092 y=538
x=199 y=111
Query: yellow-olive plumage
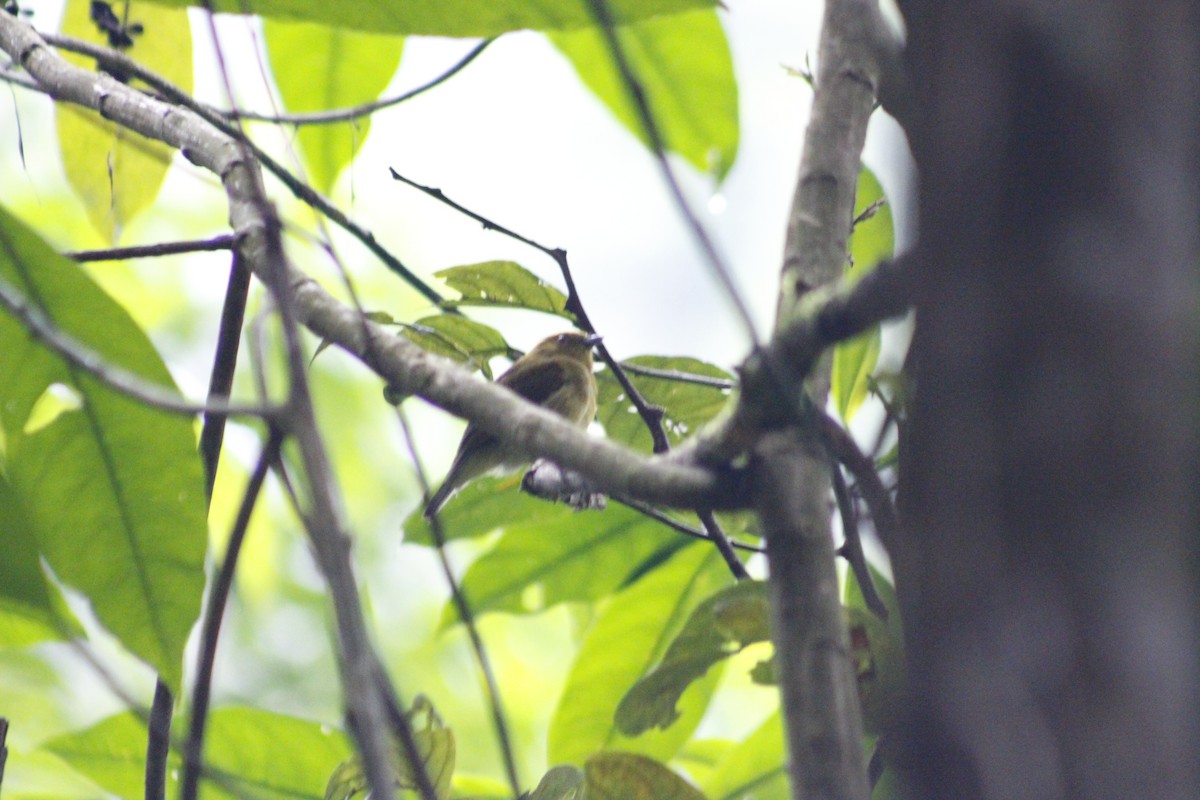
x=557 y=375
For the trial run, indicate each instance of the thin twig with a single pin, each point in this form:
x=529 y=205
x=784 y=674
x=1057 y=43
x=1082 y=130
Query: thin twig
x=360 y=670
x=158 y=742
x=214 y=613
x=724 y=545
x=666 y=519
x=348 y=114
x=220 y=382
x=651 y=414
x=678 y=376
x=633 y=87
x=876 y=495
x=112 y=375
x=225 y=241
x=297 y=187
x=852 y=549
x=503 y=738
x=3 y=748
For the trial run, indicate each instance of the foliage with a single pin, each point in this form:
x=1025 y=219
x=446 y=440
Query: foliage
x=102 y=495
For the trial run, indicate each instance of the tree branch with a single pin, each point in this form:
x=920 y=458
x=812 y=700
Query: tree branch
x=111 y=375
x=822 y=718
x=784 y=386
x=353 y=113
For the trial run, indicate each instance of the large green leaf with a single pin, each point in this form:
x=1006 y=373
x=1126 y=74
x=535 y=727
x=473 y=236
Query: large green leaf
x=871 y=242
x=112 y=491
x=435 y=746
x=483 y=506
x=756 y=768
x=685 y=68
x=253 y=753
x=503 y=284
x=581 y=556
x=112 y=753
x=460 y=338
x=448 y=17
x=718 y=628
x=116 y=172
x=688 y=405
x=629 y=776
x=629 y=637
x=318 y=68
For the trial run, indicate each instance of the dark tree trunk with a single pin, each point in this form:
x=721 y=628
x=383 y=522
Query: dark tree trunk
x=1049 y=575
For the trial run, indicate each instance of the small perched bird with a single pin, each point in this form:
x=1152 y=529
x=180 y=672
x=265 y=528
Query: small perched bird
x=556 y=375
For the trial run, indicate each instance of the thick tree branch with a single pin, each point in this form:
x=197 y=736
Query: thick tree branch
x=784 y=385
x=822 y=716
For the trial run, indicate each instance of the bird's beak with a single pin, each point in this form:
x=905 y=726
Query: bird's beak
x=593 y=339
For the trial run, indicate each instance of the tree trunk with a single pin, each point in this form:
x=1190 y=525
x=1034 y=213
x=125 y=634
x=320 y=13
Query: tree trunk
x=1049 y=572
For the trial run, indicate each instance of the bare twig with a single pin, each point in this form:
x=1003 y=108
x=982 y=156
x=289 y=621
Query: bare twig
x=213 y=615
x=348 y=114
x=226 y=241
x=3 y=747
x=499 y=721
x=666 y=519
x=852 y=549
x=158 y=742
x=220 y=382
x=723 y=543
x=876 y=495
x=633 y=87
x=112 y=375
x=678 y=376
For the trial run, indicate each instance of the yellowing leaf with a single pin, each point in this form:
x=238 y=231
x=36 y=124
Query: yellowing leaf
x=870 y=242
x=116 y=172
x=320 y=68
x=683 y=64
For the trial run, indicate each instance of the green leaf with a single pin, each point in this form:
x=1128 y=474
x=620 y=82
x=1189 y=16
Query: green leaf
x=503 y=284
x=871 y=242
x=877 y=651
x=459 y=338
x=684 y=66
x=112 y=753
x=270 y=755
x=577 y=556
x=435 y=746
x=116 y=172
x=560 y=783
x=255 y=753
x=629 y=776
x=718 y=628
x=21 y=578
x=450 y=17
x=699 y=757
x=483 y=506
x=320 y=68
x=688 y=405
x=112 y=491
x=629 y=636
x=755 y=768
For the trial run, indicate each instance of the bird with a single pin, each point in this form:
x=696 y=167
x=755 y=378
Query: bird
x=556 y=375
